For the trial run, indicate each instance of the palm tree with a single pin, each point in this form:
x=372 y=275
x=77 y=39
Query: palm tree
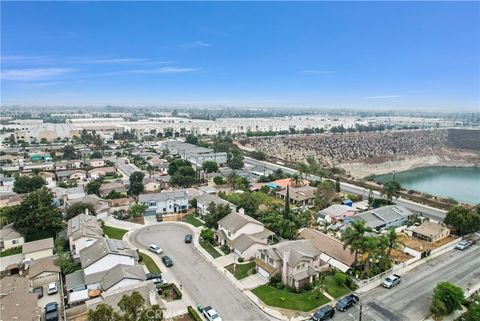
x=394 y=241
x=232 y=179
x=391 y=189
x=353 y=237
x=370 y=246
x=296 y=180
x=302 y=169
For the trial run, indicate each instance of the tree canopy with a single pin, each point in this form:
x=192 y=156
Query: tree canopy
x=79 y=208
x=463 y=220
x=136 y=183
x=391 y=189
x=27 y=184
x=210 y=167
x=175 y=164
x=185 y=176
x=215 y=214
x=447 y=297
x=37 y=217
x=69 y=152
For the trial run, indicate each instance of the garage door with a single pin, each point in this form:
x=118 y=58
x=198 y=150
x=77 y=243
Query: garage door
x=263 y=273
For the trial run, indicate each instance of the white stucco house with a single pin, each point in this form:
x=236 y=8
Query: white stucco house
x=165 y=202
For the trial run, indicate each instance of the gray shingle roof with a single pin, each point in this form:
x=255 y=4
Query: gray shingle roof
x=163 y=196
x=235 y=221
x=74 y=280
x=102 y=248
x=39 y=245
x=84 y=225
x=120 y=272
x=383 y=215
x=296 y=249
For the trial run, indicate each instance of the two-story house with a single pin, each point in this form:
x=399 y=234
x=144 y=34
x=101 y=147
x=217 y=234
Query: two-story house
x=165 y=202
x=243 y=234
x=204 y=201
x=297 y=263
x=82 y=231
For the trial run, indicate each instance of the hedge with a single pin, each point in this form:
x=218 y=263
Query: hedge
x=178 y=293
x=194 y=314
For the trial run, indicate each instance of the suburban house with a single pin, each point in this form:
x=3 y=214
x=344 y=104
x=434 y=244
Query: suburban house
x=82 y=231
x=9 y=237
x=204 y=200
x=97 y=162
x=39 y=249
x=106 y=188
x=69 y=193
x=430 y=231
x=297 y=263
x=101 y=206
x=337 y=212
x=150 y=185
x=332 y=249
x=42 y=272
x=285 y=182
x=384 y=217
x=300 y=196
x=243 y=234
x=17 y=301
x=165 y=202
x=118 y=204
x=73 y=174
x=101 y=171
x=160 y=165
x=49 y=178
x=105 y=254
x=10 y=200
x=69 y=164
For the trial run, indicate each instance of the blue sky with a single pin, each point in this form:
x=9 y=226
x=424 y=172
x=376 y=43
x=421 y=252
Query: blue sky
x=411 y=55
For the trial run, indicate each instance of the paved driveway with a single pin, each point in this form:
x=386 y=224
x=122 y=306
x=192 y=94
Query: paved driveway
x=199 y=278
x=410 y=301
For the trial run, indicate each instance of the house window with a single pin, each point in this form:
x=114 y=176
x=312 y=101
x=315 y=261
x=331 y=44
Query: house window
x=14 y=241
x=151 y=204
x=262 y=256
x=270 y=261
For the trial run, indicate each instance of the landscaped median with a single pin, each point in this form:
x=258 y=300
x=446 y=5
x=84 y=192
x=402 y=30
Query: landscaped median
x=285 y=299
x=210 y=249
x=149 y=263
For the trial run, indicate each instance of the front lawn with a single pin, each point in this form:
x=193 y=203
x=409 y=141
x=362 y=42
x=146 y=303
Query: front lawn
x=332 y=288
x=210 y=249
x=113 y=232
x=287 y=300
x=149 y=263
x=190 y=219
x=11 y=251
x=242 y=270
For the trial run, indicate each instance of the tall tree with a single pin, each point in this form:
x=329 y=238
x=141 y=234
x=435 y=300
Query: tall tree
x=337 y=184
x=184 y=176
x=136 y=183
x=27 y=184
x=391 y=189
x=450 y=295
x=463 y=220
x=69 y=152
x=296 y=180
x=353 y=236
x=286 y=209
x=232 y=179
x=394 y=242
x=37 y=217
x=210 y=167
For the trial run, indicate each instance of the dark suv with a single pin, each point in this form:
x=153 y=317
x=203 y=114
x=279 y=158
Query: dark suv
x=188 y=238
x=347 y=302
x=167 y=261
x=325 y=313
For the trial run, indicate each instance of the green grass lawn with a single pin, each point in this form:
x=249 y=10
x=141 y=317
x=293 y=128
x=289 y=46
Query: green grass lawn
x=113 y=232
x=190 y=219
x=287 y=300
x=149 y=263
x=241 y=270
x=210 y=249
x=332 y=288
x=11 y=251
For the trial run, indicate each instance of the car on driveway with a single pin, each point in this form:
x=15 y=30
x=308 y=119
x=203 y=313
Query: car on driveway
x=325 y=313
x=347 y=302
x=52 y=288
x=39 y=291
x=188 y=238
x=167 y=261
x=463 y=245
x=51 y=311
x=155 y=249
x=156 y=278
x=211 y=314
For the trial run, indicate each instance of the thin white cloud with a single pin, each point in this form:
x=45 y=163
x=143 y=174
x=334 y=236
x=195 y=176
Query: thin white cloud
x=319 y=72
x=164 y=70
x=34 y=73
x=198 y=44
x=84 y=60
x=382 y=97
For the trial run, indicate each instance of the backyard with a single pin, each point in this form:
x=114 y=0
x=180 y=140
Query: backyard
x=113 y=232
x=288 y=300
x=242 y=270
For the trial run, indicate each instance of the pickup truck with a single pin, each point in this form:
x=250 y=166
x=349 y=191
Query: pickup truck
x=391 y=281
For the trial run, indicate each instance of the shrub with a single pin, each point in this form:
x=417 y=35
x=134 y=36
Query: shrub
x=176 y=290
x=194 y=314
x=240 y=259
x=438 y=308
x=351 y=284
x=218 y=180
x=340 y=278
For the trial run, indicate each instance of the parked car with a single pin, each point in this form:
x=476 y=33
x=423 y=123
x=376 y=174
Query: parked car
x=463 y=245
x=391 y=281
x=39 y=291
x=325 y=313
x=51 y=311
x=52 y=288
x=167 y=261
x=188 y=238
x=347 y=302
x=156 y=278
x=155 y=249
x=211 y=314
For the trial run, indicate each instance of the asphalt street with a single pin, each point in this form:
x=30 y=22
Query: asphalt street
x=410 y=300
x=126 y=169
x=199 y=278
x=428 y=211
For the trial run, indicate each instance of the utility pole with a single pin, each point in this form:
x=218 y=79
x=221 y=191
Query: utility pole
x=360 y=313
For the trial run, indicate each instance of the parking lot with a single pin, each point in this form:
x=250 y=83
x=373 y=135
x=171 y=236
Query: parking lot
x=57 y=297
x=201 y=280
